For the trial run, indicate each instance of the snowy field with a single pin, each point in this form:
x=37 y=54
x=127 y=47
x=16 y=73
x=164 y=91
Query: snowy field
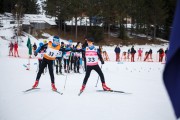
x=148 y=99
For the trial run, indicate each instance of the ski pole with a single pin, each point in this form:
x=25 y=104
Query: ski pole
x=67 y=67
x=65 y=81
x=98 y=78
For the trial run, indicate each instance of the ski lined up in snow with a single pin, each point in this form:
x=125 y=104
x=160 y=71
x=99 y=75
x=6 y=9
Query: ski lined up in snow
x=109 y=91
x=115 y=91
x=58 y=92
x=31 y=89
x=39 y=88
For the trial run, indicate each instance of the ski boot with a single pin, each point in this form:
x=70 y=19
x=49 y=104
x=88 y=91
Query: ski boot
x=82 y=88
x=35 y=84
x=105 y=88
x=53 y=87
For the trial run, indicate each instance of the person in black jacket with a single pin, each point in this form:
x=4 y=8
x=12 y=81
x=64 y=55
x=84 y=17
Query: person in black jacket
x=133 y=51
x=117 y=50
x=166 y=51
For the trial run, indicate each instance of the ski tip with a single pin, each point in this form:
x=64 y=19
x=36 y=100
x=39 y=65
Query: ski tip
x=58 y=92
x=80 y=93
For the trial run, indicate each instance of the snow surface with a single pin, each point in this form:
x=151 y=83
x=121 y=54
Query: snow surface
x=148 y=99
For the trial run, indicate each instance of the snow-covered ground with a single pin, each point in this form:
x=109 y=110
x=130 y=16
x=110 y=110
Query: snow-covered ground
x=148 y=99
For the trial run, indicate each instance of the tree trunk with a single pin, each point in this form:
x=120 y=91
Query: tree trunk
x=154 y=35
x=64 y=29
x=109 y=32
x=76 y=28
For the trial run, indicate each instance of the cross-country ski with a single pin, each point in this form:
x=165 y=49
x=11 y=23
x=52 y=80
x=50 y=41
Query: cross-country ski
x=31 y=89
x=114 y=91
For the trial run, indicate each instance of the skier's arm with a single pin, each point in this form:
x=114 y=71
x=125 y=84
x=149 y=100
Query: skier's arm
x=100 y=57
x=65 y=49
x=40 y=48
x=78 y=50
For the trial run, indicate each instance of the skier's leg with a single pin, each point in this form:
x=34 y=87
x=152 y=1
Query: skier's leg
x=99 y=71
x=43 y=65
x=78 y=64
x=88 y=72
x=50 y=67
x=41 y=69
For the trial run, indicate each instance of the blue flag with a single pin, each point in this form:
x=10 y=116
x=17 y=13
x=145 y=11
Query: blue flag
x=171 y=73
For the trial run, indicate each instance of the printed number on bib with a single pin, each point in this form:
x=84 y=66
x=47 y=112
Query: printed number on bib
x=92 y=59
x=51 y=53
x=59 y=54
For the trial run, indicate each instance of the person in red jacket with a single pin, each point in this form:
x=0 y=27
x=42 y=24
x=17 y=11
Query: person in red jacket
x=161 y=54
x=16 y=49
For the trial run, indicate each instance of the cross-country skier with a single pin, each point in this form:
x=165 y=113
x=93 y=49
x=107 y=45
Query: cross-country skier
x=67 y=56
x=58 y=62
x=48 y=58
x=92 y=55
x=77 y=57
x=40 y=55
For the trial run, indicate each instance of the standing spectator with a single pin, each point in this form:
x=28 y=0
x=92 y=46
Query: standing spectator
x=161 y=54
x=128 y=54
x=139 y=54
x=150 y=53
x=123 y=56
x=34 y=47
x=16 y=49
x=105 y=56
x=166 y=51
x=11 y=48
x=133 y=51
x=117 y=50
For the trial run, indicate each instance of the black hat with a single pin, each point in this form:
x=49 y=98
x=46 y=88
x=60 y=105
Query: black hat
x=91 y=39
x=62 y=42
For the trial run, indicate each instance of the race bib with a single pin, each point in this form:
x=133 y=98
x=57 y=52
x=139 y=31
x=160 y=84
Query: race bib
x=40 y=55
x=59 y=54
x=92 y=59
x=51 y=52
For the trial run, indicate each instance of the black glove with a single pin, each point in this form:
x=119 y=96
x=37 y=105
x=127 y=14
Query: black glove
x=35 y=53
x=102 y=62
